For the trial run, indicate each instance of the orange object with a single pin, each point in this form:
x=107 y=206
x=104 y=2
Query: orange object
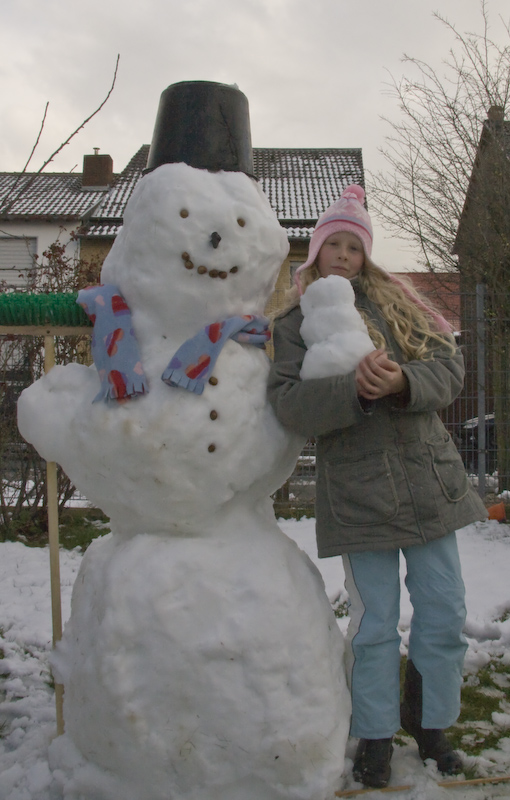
x=497 y=512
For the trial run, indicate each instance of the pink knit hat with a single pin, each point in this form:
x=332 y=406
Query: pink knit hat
x=346 y=214
x=349 y=214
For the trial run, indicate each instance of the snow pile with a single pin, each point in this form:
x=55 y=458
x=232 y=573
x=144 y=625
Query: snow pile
x=333 y=330
x=202 y=659
x=203 y=655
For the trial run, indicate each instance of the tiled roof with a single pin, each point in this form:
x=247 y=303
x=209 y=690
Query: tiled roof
x=111 y=210
x=299 y=183
x=299 y=233
x=48 y=197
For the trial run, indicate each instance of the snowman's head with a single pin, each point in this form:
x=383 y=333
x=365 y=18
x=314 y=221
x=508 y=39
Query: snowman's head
x=196 y=247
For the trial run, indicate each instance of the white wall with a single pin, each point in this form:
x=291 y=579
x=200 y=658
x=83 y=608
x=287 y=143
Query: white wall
x=45 y=234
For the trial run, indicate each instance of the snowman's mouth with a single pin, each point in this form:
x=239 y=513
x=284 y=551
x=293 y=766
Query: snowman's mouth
x=201 y=270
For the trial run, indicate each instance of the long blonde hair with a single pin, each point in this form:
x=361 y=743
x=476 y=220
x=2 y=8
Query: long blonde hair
x=413 y=329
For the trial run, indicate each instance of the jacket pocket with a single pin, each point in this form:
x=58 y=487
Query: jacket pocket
x=448 y=467
x=362 y=492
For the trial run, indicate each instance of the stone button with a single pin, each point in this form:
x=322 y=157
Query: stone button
x=211 y=448
x=213 y=414
x=213 y=381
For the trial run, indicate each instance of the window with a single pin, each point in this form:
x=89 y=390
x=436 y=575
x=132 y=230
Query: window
x=294 y=264
x=16 y=260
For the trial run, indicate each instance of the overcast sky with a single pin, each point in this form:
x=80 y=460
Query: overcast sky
x=314 y=71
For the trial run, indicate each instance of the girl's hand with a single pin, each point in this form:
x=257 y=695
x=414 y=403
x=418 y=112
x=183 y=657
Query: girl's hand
x=378 y=376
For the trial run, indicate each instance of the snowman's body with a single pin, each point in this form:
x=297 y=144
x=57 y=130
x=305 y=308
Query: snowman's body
x=202 y=659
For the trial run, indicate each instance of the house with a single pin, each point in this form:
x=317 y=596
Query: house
x=442 y=290
x=482 y=242
x=482 y=245
x=36 y=208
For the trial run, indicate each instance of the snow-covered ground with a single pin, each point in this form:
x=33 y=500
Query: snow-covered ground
x=27 y=715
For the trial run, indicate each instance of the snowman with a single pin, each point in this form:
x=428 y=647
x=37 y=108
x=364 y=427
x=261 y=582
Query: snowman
x=202 y=660
x=333 y=330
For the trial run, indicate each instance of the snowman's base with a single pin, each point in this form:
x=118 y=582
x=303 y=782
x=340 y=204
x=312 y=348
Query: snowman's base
x=202 y=669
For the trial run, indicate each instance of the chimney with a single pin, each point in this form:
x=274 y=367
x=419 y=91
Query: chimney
x=97 y=171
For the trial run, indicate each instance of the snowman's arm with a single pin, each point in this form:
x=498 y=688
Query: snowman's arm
x=46 y=408
x=311 y=407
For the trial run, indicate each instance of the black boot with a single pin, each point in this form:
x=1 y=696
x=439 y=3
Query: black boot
x=372 y=762
x=432 y=742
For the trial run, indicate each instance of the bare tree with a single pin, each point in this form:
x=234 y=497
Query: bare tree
x=431 y=150
x=19 y=186
x=22 y=474
x=23 y=500
x=447 y=186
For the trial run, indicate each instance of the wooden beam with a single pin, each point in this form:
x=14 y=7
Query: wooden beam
x=53 y=538
x=45 y=330
x=450 y=784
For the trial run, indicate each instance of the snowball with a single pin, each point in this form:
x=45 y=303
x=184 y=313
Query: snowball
x=333 y=330
x=337 y=355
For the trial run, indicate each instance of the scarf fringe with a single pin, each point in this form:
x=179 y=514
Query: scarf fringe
x=122 y=389
x=175 y=377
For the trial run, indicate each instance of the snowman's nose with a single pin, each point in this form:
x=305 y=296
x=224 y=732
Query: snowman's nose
x=215 y=239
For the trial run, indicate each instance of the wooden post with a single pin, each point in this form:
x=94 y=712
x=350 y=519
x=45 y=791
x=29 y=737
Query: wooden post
x=52 y=495
x=449 y=784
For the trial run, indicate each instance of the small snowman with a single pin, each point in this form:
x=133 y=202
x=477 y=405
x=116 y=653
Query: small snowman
x=333 y=330
x=202 y=660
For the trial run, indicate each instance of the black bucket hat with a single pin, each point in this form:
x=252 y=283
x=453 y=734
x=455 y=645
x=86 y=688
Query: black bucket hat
x=205 y=125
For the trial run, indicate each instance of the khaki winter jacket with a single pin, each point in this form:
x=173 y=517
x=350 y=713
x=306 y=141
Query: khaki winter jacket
x=387 y=476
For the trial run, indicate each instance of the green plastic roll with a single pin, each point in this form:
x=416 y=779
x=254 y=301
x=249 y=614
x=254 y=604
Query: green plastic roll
x=58 y=309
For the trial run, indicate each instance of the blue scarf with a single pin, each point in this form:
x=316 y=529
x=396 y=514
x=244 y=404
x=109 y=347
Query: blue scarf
x=117 y=356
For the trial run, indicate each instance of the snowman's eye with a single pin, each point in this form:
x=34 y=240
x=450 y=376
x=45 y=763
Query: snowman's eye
x=241 y=222
x=184 y=213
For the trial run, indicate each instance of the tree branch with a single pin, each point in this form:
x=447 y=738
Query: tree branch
x=11 y=197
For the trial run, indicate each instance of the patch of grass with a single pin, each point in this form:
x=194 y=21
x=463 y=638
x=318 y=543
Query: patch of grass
x=341 y=609
x=28 y=526
x=504 y=616
x=477 y=706
x=481 y=695
x=472 y=740
x=80 y=526
x=284 y=511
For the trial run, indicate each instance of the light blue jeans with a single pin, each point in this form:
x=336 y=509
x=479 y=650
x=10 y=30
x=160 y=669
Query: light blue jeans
x=437 y=645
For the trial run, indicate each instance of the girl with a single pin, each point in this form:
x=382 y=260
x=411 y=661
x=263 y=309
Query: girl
x=389 y=479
